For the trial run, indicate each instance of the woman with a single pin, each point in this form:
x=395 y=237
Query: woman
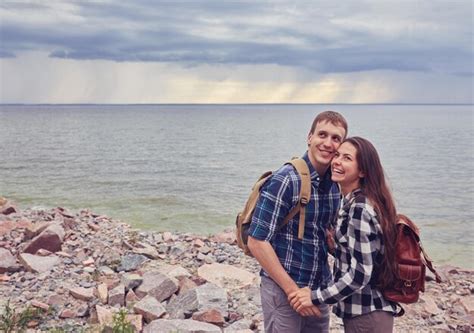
x=364 y=239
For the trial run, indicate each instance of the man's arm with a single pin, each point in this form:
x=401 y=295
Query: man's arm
x=267 y=258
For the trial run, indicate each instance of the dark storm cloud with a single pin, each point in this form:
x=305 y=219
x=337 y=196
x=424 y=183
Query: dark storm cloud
x=194 y=33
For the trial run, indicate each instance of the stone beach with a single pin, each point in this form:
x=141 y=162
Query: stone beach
x=80 y=269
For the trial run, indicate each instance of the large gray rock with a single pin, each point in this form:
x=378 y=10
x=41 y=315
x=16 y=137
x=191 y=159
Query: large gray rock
x=181 y=326
x=7 y=261
x=38 y=264
x=203 y=297
x=50 y=239
x=157 y=285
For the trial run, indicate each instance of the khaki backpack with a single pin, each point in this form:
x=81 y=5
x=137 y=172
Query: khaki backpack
x=245 y=217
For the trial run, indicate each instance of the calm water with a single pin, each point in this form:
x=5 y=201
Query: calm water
x=190 y=167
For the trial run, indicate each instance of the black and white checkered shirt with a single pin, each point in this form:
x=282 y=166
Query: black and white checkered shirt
x=359 y=250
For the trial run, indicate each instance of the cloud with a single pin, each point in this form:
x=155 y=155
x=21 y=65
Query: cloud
x=37 y=78
x=236 y=52
x=318 y=36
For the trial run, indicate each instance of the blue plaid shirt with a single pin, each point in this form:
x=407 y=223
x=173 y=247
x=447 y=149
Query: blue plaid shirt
x=304 y=260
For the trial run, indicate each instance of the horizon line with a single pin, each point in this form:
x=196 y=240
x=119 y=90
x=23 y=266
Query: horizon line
x=422 y=103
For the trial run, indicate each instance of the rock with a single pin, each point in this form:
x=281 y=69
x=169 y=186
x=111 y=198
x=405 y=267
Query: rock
x=43 y=252
x=136 y=320
x=50 y=239
x=226 y=276
x=117 y=296
x=174 y=271
x=131 y=262
x=102 y=293
x=88 y=262
x=181 y=326
x=211 y=316
x=131 y=280
x=7 y=261
x=34 y=230
x=157 y=285
x=177 y=250
x=8 y=208
x=146 y=250
x=167 y=236
x=6 y=227
x=67 y=313
x=200 y=298
x=84 y=294
x=186 y=284
x=38 y=264
x=468 y=304
x=131 y=298
x=149 y=308
x=239 y=326
x=104 y=315
x=430 y=306
x=38 y=304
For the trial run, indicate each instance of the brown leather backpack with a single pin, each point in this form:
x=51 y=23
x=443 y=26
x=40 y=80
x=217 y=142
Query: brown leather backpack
x=411 y=262
x=245 y=217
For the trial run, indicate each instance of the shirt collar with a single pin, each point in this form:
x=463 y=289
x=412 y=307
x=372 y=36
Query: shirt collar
x=349 y=196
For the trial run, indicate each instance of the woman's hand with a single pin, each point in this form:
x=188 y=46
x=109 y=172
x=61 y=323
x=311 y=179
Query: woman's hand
x=301 y=301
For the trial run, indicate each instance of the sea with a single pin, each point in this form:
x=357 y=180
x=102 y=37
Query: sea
x=190 y=168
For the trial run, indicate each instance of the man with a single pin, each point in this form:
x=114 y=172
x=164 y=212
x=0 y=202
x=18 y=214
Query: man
x=289 y=263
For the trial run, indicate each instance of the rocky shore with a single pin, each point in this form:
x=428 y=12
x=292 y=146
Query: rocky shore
x=84 y=272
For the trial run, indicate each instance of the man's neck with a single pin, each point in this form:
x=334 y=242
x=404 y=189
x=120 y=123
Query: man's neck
x=320 y=169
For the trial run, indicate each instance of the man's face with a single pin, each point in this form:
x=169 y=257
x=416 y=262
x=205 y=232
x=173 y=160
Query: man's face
x=323 y=143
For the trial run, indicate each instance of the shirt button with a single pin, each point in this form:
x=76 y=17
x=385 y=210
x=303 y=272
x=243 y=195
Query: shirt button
x=317 y=178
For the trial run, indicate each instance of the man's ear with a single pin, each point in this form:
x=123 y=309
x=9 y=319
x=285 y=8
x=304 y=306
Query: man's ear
x=308 y=140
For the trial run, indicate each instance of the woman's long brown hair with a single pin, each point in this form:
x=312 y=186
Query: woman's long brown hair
x=375 y=188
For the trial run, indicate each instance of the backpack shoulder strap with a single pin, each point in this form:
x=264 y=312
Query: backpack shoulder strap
x=254 y=195
x=305 y=192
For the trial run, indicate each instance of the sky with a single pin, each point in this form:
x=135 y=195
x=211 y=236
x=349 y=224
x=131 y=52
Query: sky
x=143 y=51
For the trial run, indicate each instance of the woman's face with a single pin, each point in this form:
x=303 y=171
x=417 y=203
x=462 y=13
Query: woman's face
x=345 y=169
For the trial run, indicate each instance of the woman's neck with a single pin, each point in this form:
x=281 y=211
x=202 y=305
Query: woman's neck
x=346 y=189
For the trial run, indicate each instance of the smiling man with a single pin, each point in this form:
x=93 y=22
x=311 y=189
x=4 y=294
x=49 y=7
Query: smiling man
x=289 y=263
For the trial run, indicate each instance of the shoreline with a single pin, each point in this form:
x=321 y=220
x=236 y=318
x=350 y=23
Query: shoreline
x=79 y=268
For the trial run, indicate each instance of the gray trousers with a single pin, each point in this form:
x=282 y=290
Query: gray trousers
x=373 y=322
x=280 y=317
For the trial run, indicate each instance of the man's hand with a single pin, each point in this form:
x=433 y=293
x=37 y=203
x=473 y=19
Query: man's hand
x=300 y=300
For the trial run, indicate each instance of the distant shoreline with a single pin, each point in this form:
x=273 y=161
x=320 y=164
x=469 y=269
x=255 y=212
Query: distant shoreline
x=229 y=104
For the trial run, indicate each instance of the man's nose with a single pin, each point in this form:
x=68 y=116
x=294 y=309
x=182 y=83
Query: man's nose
x=327 y=142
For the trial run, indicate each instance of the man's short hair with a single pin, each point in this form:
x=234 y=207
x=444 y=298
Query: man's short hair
x=333 y=117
